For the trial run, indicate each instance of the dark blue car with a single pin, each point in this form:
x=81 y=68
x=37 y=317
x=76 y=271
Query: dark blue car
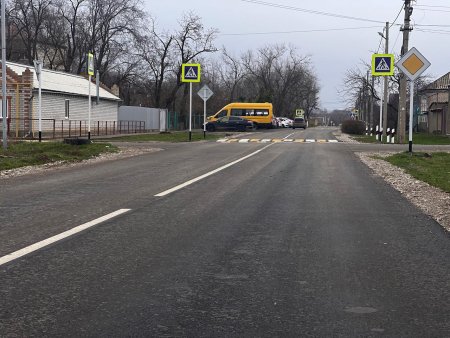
x=230 y=123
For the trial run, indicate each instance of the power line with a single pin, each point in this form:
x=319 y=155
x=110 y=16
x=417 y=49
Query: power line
x=396 y=39
x=435 y=31
x=431 y=6
x=433 y=10
x=400 y=12
x=420 y=25
x=297 y=9
x=301 y=31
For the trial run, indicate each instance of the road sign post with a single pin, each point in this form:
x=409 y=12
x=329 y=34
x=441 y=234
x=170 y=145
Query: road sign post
x=190 y=72
x=412 y=64
x=382 y=65
x=205 y=93
x=90 y=72
x=4 y=98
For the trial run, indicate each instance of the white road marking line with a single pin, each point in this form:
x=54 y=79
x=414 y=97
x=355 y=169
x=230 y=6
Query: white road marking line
x=310 y=141
x=288 y=135
x=39 y=245
x=222 y=140
x=244 y=140
x=185 y=184
x=333 y=141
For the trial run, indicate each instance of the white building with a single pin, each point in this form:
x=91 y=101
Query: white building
x=57 y=88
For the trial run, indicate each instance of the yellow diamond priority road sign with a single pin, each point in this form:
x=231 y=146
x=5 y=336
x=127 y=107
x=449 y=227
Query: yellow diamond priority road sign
x=413 y=64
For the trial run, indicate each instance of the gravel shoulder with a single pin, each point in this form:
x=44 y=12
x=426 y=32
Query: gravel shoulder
x=432 y=201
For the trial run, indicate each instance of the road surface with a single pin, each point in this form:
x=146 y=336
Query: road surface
x=268 y=239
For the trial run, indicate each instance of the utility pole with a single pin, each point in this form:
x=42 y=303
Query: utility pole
x=386 y=83
x=402 y=98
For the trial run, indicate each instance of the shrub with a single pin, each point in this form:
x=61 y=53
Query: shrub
x=353 y=127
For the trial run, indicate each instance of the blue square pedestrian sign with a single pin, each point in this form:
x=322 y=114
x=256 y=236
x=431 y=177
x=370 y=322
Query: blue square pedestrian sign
x=190 y=72
x=382 y=64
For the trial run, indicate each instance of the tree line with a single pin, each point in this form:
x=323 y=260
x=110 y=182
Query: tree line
x=145 y=60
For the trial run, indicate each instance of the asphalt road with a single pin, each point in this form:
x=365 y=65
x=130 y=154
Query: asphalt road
x=294 y=240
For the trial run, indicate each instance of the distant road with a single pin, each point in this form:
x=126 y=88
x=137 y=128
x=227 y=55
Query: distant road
x=248 y=239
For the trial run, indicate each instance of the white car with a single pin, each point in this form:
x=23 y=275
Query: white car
x=285 y=122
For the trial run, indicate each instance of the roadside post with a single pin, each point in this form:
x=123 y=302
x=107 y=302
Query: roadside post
x=382 y=65
x=412 y=64
x=190 y=72
x=205 y=93
x=90 y=72
x=38 y=70
x=4 y=99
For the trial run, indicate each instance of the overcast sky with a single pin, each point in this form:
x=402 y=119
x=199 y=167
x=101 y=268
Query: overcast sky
x=333 y=51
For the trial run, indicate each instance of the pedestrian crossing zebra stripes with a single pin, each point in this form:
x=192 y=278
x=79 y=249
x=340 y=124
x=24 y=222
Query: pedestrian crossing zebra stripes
x=274 y=140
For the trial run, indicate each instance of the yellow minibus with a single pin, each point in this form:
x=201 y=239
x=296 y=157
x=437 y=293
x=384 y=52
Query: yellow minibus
x=260 y=113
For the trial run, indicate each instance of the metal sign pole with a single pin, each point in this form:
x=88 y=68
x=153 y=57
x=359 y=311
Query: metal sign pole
x=411 y=113
x=89 y=111
x=204 y=117
x=40 y=101
x=381 y=113
x=190 y=111
x=4 y=102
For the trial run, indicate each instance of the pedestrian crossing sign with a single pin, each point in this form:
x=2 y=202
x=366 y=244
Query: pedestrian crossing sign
x=382 y=64
x=190 y=72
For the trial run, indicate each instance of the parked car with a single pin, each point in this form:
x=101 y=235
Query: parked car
x=229 y=123
x=299 y=122
x=275 y=122
x=285 y=122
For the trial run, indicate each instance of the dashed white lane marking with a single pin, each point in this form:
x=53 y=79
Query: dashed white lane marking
x=185 y=184
x=39 y=245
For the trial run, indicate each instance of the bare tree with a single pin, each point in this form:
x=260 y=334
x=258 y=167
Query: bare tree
x=28 y=17
x=157 y=52
x=191 y=40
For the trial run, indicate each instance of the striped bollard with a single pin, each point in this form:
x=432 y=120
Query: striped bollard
x=393 y=136
x=388 y=135
x=377 y=134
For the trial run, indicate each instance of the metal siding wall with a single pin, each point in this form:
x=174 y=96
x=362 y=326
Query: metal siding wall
x=53 y=107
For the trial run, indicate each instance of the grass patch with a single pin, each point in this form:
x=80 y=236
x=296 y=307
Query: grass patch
x=182 y=136
x=364 y=138
x=34 y=153
x=418 y=138
x=433 y=168
x=422 y=138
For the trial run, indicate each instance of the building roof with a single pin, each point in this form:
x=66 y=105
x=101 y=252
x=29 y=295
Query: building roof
x=63 y=82
x=440 y=84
